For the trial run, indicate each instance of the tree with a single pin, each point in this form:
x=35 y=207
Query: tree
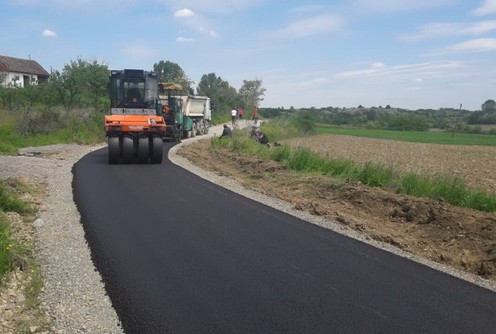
x=81 y=83
x=489 y=105
x=407 y=122
x=222 y=95
x=252 y=93
x=304 y=121
x=168 y=71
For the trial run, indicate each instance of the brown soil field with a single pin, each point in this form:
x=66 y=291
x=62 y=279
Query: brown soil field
x=464 y=239
x=476 y=165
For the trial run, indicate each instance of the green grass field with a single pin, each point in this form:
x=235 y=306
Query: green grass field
x=440 y=137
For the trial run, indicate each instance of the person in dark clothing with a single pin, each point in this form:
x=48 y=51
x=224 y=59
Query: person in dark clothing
x=226 y=132
x=262 y=138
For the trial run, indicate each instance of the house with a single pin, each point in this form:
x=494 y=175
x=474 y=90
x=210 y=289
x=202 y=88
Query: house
x=21 y=72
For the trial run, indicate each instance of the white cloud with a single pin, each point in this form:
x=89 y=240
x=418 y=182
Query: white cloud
x=374 y=68
x=79 y=5
x=392 y=6
x=489 y=7
x=436 y=30
x=312 y=26
x=48 y=33
x=139 y=52
x=316 y=81
x=307 y=9
x=197 y=23
x=184 y=40
x=380 y=69
x=184 y=13
x=209 y=32
x=472 y=46
x=217 y=6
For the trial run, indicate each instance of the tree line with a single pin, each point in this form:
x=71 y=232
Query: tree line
x=80 y=89
x=223 y=96
x=450 y=119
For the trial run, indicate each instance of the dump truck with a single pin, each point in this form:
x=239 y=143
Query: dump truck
x=135 y=127
x=185 y=115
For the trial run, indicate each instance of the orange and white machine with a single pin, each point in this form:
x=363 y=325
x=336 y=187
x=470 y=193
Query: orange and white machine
x=135 y=127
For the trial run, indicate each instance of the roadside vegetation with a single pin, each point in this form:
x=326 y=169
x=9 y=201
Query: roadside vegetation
x=18 y=265
x=11 y=253
x=448 y=120
x=70 y=107
x=67 y=109
x=449 y=188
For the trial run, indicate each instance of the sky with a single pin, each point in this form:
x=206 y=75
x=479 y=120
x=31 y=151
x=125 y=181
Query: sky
x=411 y=54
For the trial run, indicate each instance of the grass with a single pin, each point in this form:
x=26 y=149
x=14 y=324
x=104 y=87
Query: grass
x=88 y=131
x=440 y=137
x=450 y=189
x=11 y=252
x=6 y=256
x=17 y=253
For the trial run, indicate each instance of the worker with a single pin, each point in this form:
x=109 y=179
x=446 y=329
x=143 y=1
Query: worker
x=226 y=132
x=234 y=115
x=255 y=111
x=255 y=125
x=262 y=138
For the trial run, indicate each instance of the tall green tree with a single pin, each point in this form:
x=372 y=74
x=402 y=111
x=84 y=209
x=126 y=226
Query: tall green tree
x=223 y=96
x=252 y=93
x=489 y=105
x=81 y=84
x=168 y=71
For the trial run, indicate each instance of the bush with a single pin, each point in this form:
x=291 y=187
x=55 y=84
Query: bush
x=405 y=122
x=304 y=122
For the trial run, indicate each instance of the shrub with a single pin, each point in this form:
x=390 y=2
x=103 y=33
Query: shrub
x=405 y=122
x=375 y=175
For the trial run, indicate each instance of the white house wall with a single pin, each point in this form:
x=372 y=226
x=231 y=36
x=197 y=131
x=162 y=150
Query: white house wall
x=9 y=79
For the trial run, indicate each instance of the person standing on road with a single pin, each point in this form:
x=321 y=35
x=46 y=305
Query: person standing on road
x=240 y=113
x=255 y=111
x=234 y=115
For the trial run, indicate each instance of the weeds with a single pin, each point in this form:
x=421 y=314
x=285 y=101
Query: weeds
x=10 y=251
x=17 y=255
x=6 y=254
x=81 y=127
x=450 y=189
x=33 y=288
x=10 y=201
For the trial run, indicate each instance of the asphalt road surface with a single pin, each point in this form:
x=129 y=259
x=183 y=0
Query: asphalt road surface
x=179 y=254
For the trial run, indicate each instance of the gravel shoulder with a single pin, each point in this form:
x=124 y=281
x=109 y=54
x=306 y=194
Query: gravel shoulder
x=74 y=295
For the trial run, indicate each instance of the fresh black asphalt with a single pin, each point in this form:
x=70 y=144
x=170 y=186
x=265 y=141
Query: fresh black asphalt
x=179 y=254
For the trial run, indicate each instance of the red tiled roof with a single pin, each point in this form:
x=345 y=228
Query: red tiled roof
x=10 y=64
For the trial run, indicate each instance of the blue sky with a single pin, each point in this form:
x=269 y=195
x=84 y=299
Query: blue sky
x=342 y=53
